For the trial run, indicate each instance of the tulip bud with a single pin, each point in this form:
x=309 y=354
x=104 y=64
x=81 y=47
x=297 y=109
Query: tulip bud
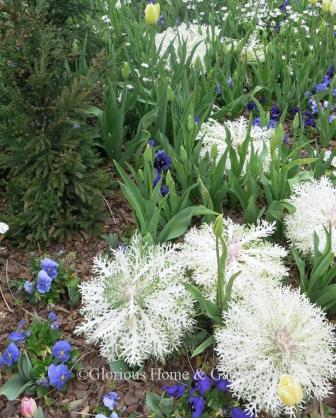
x=290 y=391
x=28 y=407
x=148 y=154
x=218 y=228
x=152 y=13
x=326 y=5
x=333 y=7
x=296 y=122
x=214 y=152
x=125 y=71
x=183 y=154
x=170 y=94
x=191 y=123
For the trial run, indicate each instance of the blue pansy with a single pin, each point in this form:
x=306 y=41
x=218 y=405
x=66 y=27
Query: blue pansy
x=239 y=413
x=17 y=336
x=110 y=400
x=43 y=282
x=28 y=287
x=52 y=316
x=50 y=266
x=202 y=381
x=175 y=391
x=59 y=375
x=221 y=384
x=62 y=350
x=11 y=355
x=197 y=405
x=44 y=382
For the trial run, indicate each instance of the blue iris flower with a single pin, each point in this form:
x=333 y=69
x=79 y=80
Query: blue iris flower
x=162 y=161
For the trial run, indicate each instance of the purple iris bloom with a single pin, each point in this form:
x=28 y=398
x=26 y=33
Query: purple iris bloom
x=175 y=391
x=43 y=282
x=202 y=381
x=59 y=375
x=331 y=72
x=313 y=105
x=28 y=287
x=321 y=87
x=164 y=190
x=257 y=122
x=62 y=350
x=162 y=161
x=110 y=400
x=50 y=266
x=218 y=89
x=275 y=112
x=309 y=119
x=197 y=406
x=11 y=355
x=152 y=142
x=272 y=124
x=239 y=413
x=284 y=5
x=157 y=177
x=251 y=106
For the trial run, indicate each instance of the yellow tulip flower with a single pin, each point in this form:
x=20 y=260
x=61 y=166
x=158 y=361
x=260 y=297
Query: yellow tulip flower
x=290 y=391
x=333 y=7
x=152 y=13
x=326 y=5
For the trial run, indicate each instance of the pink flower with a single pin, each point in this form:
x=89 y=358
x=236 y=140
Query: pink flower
x=28 y=407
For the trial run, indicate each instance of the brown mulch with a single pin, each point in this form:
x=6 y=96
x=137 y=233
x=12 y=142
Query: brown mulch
x=83 y=395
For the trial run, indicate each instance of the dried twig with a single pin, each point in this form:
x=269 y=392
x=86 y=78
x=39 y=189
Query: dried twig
x=107 y=204
x=4 y=299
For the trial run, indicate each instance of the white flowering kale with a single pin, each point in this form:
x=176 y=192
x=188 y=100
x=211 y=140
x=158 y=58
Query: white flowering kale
x=315 y=204
x=3 y=227
x=214 y=134
x=136 y=306
x=190 y=36
x=272 y=333
x=258 y=261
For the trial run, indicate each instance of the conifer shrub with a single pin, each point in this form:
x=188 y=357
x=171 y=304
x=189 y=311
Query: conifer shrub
x=46 y=142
